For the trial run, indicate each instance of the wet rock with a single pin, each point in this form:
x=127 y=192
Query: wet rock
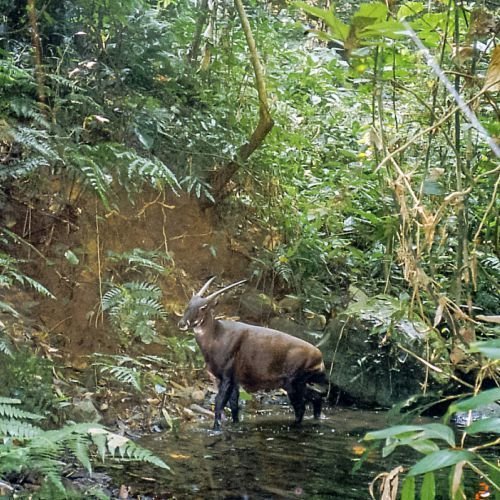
x=198 y=396
x=369 y=367
x=290 y=304
x=257 y=306
x=314 y=322
x=84 y=410
x=288 y=325
x=203 y=411
x=464 y=418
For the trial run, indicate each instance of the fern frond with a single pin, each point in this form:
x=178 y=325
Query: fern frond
x=28 y=108
x=491 y=262
x=9 y=274
x=125 y=447
x=86 y=163
x=124 y=374
x=7 y=308
x=135 y=169
x=10 y=411
x=36 y=141
x=134 y=307
x=18 y=429
x=22 y=168
x=38 y=287
x=139 y=258
x=149 y=358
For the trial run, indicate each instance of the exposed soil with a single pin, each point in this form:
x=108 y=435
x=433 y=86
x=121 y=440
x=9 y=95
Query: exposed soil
x=199 y=242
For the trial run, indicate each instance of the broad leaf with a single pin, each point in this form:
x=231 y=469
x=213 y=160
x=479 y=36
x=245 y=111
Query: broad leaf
x=406 y=433
x=487 y=425
x=376 y=11
x=483 y=398
x=439 y=460
x=390 y=29
x=409 y=9
x=439 y=431
x=424 y=446
x=490 y=348
x=428 y=491
x=336 y=26
x=408 y=489
x=397 y=430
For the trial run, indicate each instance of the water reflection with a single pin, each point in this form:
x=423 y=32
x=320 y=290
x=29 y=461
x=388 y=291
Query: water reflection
x=264 y=457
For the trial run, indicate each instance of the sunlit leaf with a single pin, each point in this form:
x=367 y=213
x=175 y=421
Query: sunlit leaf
x=408 y=488
x=375 y=10
x=483 y=398
x=397 y=430
x=337 y=27
x=409 y=9
x=490 y=348
x=486 y=425
x=71 y=257
x=428 y=490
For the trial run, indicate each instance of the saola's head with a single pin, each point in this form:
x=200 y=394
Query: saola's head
x=199 y=307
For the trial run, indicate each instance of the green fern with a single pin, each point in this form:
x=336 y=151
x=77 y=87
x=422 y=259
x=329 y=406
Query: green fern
x=5 y=344
x=124 y=374
x=134 y=169
x=10 y=275
x=134 y=309
x=7 y=409
x=130 y=371
x=88 y=165
x=46 y=454
x=138 y=259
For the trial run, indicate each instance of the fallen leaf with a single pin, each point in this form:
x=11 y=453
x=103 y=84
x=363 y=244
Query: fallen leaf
x=492 y=80
x=179 y=456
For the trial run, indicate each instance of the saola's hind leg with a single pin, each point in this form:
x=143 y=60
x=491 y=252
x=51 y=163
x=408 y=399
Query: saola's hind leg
x=233 y=402
x=296 y=393
x=315 y=397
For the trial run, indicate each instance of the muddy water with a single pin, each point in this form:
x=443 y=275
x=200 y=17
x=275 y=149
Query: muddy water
x=263 y=457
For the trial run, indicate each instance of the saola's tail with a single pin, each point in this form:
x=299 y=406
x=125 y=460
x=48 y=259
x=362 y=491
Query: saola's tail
x=317 y=386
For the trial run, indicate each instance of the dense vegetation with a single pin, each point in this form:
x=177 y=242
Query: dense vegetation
x=366 y=162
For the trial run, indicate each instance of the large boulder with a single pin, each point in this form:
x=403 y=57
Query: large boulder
x=364 y=351
x=257 y=306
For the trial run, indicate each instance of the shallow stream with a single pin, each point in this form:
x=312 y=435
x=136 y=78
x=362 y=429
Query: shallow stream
x=264 y=457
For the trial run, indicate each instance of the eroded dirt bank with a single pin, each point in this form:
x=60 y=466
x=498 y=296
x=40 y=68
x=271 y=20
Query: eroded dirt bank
x=199 y=243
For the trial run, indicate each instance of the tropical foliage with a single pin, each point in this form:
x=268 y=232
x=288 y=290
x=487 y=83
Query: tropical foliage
x=358 y=142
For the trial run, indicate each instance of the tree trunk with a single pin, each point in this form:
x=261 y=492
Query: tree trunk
x=221 y=178
x=37 y=51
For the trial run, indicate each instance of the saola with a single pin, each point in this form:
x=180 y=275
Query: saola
x=254 y=357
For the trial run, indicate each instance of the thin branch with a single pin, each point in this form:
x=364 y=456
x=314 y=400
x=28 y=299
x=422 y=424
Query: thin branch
x=434 y=367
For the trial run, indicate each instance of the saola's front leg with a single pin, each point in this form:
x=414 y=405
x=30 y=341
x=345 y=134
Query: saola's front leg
x=227 y=390
x=296 y=394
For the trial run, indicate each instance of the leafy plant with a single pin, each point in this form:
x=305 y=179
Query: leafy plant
x=28 y=377
x=135 y=309
x=10 y=275
x=438 y=443
x=26 y=447
x=139 y=259
x=135 y=372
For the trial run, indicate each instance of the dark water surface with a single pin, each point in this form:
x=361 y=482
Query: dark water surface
x=264 y=457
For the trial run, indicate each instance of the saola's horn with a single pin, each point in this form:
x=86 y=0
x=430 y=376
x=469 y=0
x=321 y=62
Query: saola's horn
x=225 y=289
x=204 y=288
